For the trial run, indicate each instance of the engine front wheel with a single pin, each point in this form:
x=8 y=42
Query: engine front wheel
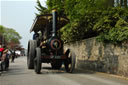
x=37 y=61
x=70 y=62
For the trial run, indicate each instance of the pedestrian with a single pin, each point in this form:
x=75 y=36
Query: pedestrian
x=1 y=53
x=13 y=56
x=4 y=60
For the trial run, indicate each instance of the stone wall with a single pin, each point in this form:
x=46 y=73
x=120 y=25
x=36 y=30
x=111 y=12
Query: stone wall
x=91 y=54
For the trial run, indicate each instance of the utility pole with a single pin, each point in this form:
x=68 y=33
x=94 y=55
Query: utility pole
x=3 y=40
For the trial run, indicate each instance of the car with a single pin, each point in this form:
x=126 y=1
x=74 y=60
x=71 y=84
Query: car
x=47 y=46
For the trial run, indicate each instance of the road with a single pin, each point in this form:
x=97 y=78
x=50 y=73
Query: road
x=18 y=74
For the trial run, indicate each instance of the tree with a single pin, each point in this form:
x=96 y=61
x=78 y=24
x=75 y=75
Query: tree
x=9 y=35
x=2 y=37
x=12 y=35
x=2 y=29
x=90 y=18
x=56 y=4
x=111 y=2
x=41 y=9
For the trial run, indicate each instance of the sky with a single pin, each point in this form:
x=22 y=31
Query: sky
x=19 y=15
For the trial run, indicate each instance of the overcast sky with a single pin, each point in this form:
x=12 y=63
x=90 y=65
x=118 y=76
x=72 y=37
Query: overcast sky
x=19 y=15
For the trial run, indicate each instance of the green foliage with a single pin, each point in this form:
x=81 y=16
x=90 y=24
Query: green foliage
x=97 y=21
x=113 y=27
x=109 y=18
x=115 y=35
x=56 y=4
x=41 y=9
x=83 y=14
x=77 y=9
x=1 y=29
x=10 y=34
x=90 y=18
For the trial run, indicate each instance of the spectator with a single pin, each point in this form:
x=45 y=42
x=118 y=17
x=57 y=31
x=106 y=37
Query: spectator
x=4 y=60
x=1 y=51
x=13 y=56
x=4 y=54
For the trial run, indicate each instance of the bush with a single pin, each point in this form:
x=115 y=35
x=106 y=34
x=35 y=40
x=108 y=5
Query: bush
x=113 y=27
x=116 y=35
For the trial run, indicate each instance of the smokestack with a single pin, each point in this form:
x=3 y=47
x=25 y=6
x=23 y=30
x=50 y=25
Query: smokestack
x=54 y=22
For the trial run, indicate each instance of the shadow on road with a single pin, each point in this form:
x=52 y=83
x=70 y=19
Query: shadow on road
x=15 y=70
x=49 y=70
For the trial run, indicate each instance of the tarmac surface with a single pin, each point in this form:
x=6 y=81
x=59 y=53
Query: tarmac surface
x=18 y=74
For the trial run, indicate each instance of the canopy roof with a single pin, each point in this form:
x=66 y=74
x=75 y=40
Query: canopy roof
x=41 y=22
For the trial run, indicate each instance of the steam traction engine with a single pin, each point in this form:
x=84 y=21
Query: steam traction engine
x=47 y=47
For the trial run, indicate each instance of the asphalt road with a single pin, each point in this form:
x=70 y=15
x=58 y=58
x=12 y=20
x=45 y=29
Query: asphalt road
x=18 y=74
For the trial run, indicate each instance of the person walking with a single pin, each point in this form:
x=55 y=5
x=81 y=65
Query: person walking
x=5 y=60
x=1 y=50
x=1 y=53
x=13 y=56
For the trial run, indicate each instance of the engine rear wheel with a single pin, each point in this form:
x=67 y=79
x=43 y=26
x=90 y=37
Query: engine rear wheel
x=31 y=53
x=37 y=61
x=70 y=62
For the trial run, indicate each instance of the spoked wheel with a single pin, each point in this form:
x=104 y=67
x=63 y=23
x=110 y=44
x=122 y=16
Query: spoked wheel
x=37 y=61
x=70 y=62
x=56 y=65
x=31 y=53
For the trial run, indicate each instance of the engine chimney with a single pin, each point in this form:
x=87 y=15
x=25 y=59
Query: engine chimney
x=54 y=22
